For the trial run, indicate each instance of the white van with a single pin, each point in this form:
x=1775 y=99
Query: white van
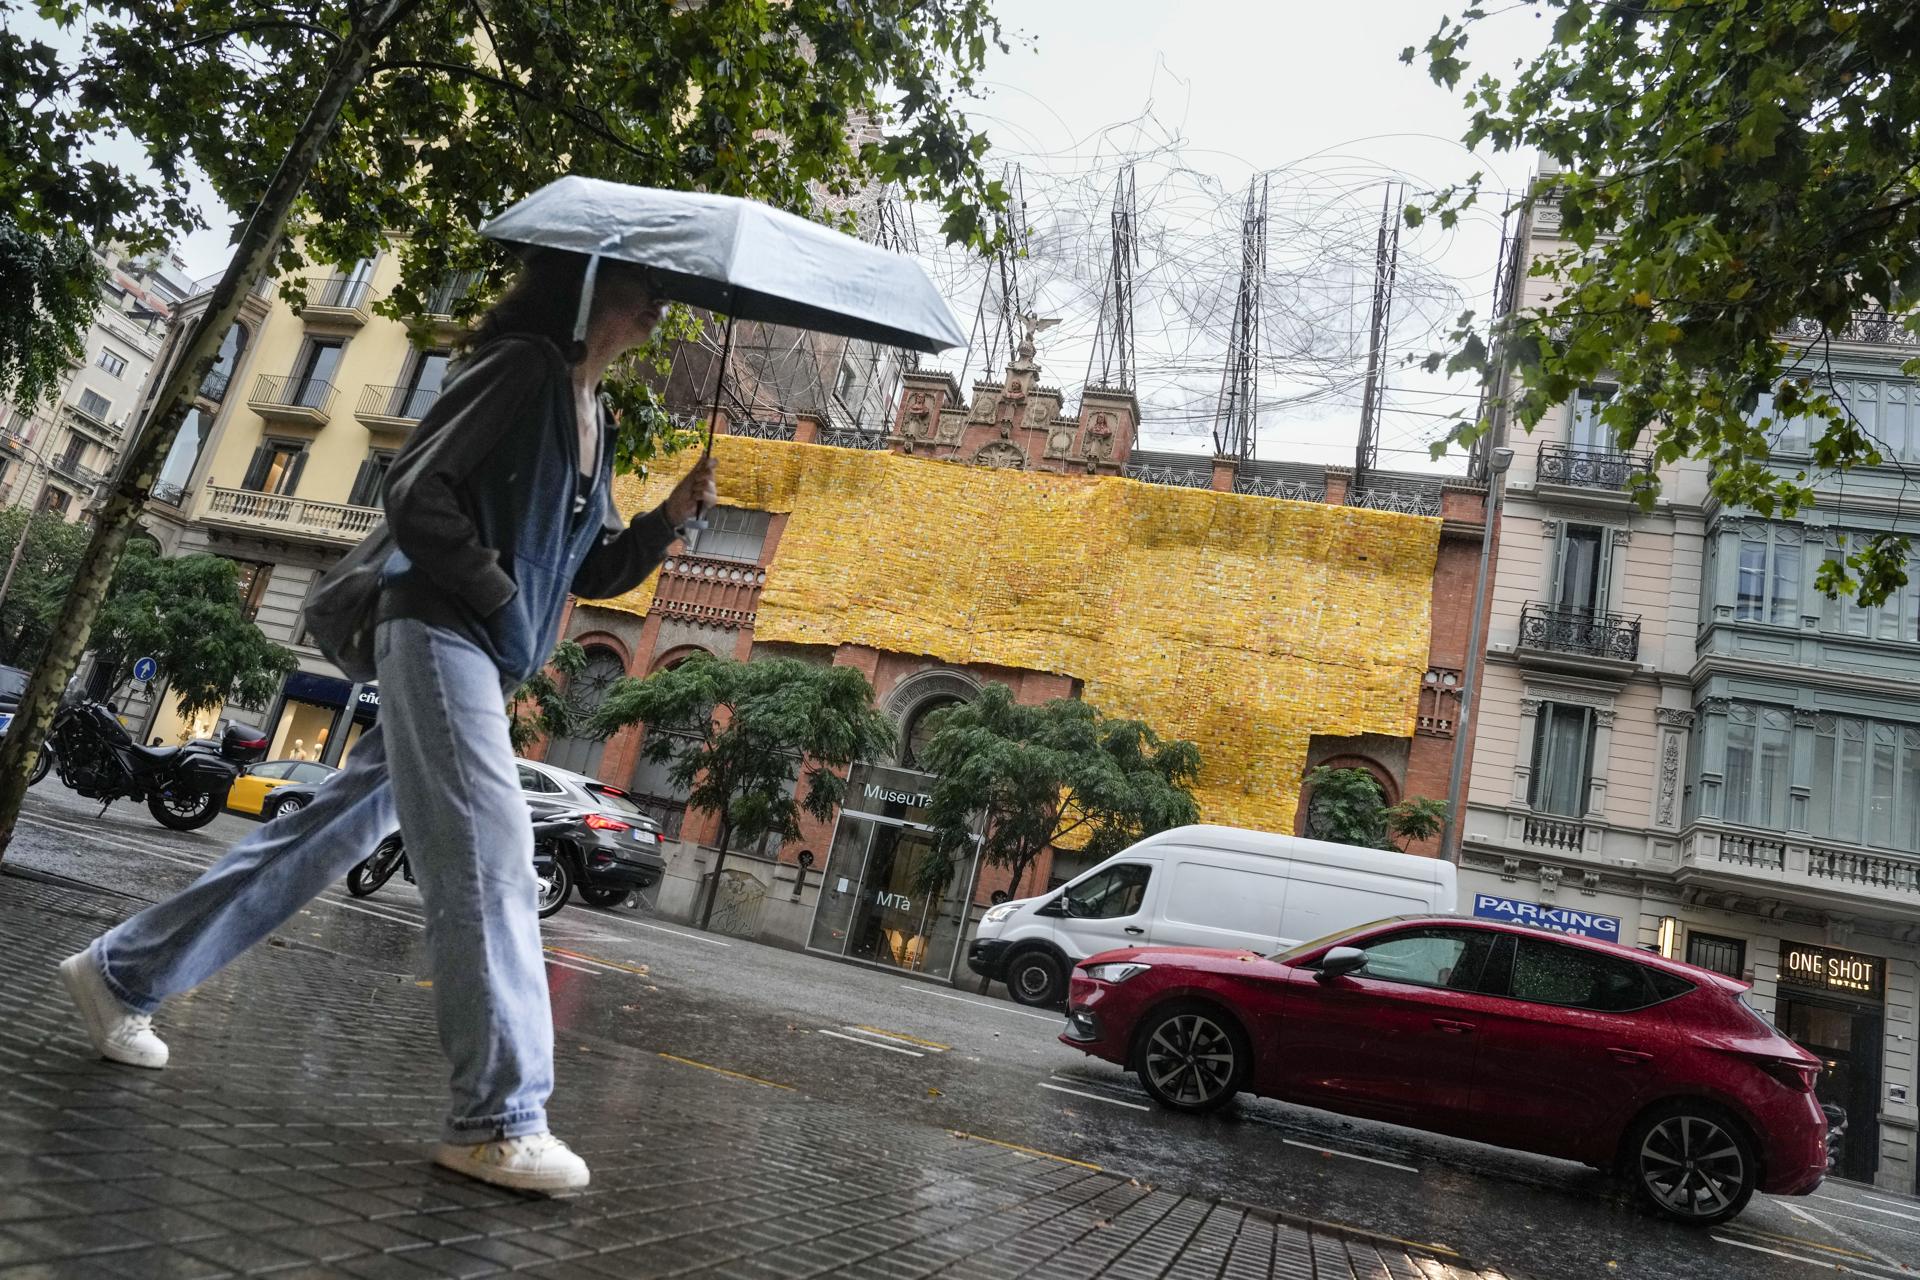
x=1202 y=886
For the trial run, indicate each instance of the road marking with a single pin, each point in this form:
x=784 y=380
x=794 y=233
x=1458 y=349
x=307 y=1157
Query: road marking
x=1780 y=1253
x=1857 y=1266
x=1026 y=1151
x=1775 y=1236
x=722 y=1071
x=678 y=933
x=873 y=1044
x=1347 y=1155
x=587 y=959
x=984 y=1004
x=934 y=1045
x=1097 y=1097
x=577 y=968
x=1883 y=1200
x=1875 y=1223
x=1891 y=1213
x=1804 y=1216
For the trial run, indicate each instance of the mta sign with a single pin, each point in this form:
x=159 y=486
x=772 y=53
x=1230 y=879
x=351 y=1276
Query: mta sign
x=1585 y=924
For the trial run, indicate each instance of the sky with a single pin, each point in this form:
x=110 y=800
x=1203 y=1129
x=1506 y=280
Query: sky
x=1204 y=96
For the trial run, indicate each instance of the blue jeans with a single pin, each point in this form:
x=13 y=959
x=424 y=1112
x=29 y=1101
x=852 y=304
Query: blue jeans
x=442 y=757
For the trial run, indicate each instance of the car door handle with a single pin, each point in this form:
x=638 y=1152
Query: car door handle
x=1135 y=929
x=1632 y=1057
x=1453 y=1027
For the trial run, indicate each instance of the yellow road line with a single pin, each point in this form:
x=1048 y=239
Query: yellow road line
x=737 y=1075
x=1026 y=1151
x=1805 y=1243
x=611 y=964
x=901 y=1035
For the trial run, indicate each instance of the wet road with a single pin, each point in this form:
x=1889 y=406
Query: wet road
x=950 y=1058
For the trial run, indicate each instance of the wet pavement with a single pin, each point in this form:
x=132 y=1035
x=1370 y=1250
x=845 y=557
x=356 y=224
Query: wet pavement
x=747 y=1111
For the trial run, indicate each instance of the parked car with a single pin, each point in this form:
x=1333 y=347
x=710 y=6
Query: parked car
x=13 y=686
x=1201 y=886
x=259 y=787
x=1559 y=1045
x=625 y=855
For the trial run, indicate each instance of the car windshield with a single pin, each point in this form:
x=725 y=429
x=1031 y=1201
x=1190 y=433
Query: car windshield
x=617 y=803
x=1307 y=948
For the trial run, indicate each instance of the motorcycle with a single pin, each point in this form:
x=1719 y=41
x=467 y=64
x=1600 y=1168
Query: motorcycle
x=550 y=865
x=184 y=788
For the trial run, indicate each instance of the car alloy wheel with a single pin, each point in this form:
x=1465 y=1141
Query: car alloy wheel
x=1191 y=1062
x=1693 y=1169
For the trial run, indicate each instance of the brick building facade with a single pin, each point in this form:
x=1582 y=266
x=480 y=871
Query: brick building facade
x=711 y=601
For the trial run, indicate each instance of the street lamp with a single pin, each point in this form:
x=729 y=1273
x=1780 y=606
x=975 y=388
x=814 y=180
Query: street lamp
x=1497 y=463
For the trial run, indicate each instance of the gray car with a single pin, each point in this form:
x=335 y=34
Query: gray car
x=625 y=856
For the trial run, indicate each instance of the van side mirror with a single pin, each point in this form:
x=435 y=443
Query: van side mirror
x=1340 y=962
x=1056 y=906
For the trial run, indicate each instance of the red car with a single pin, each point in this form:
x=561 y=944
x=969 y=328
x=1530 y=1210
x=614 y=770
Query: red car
x=1541 y=1042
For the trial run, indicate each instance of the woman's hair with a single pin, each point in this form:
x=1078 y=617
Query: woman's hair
x=544 y=300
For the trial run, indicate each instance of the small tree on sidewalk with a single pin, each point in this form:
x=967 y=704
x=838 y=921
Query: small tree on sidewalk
x=754 y=743
x=1346 y=806
x=548 y=705
x=1044 y=774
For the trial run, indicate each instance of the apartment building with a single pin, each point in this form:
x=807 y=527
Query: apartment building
x=1682 y=745
x=280 y=467
x=55 y=455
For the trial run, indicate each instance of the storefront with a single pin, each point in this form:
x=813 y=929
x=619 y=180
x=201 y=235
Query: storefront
x=313 y=711
x=876 y=904
x=1833 y=1003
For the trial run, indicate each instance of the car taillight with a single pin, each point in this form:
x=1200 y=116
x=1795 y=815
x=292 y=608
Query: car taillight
x=1791 y=1072
x=601 y=822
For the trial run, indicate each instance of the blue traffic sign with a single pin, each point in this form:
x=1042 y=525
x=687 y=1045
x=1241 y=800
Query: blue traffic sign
x=145 y=669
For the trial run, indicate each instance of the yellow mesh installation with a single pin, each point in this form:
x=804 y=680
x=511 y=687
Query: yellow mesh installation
x=1245 y=624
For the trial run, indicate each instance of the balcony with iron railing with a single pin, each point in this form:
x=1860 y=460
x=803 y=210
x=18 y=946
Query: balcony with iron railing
x=282 y=515
x=722 y=593
x=1584 y=635
x=1790 y=866
x=393 y=408
x=93 y=424
x=306 y=402
x=69 y=469
x=339 y=300
x=1598 y=470
x=1874 y=328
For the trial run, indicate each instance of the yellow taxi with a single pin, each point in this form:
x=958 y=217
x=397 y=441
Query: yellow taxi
x=253 y=790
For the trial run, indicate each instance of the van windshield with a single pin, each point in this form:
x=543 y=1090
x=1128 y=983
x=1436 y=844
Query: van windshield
x=1306 y=948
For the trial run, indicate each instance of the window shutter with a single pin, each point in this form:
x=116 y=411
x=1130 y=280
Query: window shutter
x=292 y=482
x=257 y=469
x=362 y=484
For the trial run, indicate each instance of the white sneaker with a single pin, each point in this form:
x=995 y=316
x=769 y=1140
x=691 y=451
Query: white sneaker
x=536 y=1162
x=118 y=1033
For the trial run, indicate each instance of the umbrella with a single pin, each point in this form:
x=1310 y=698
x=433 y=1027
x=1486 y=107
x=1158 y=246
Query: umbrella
x=739 y=258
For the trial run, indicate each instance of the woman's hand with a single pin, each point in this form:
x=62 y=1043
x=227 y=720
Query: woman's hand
x=695 y=493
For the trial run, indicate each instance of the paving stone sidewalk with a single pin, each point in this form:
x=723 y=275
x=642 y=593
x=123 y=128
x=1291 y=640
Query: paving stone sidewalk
x=289 y=1140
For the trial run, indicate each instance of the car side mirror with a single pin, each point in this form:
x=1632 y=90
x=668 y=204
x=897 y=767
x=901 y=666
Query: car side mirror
x=1340 y=962
x=1057 y=907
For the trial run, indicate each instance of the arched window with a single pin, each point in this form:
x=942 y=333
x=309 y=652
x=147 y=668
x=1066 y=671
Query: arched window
x=921 y=725
x=587 y=691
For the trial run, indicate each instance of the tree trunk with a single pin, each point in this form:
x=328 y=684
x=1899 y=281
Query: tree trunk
x=719 y=864
x=252 y=257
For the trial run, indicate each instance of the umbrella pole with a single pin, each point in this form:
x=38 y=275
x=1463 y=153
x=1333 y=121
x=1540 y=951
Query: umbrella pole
x=690 y=532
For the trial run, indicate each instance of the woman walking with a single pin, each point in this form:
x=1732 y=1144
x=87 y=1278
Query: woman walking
x=499 y=506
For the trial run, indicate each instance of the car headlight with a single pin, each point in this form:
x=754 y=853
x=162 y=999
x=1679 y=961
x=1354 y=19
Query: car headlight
x=996 y=914
x=1116 y=971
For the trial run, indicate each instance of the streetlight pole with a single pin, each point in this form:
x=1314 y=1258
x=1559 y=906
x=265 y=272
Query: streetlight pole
x=1497 y=463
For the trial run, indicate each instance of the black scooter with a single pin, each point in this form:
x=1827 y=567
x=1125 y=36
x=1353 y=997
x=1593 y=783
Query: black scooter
x=554 y=834
x=184 y=787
